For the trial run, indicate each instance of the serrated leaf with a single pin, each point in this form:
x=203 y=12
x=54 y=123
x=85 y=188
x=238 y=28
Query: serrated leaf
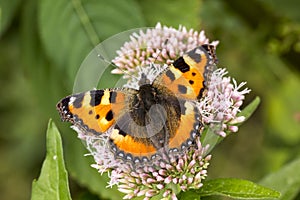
x=236 y=188
x=172 y=12
x=70 y=29
x=286 y=180
x=53 y=180
x=7 y=12
x=250 y=108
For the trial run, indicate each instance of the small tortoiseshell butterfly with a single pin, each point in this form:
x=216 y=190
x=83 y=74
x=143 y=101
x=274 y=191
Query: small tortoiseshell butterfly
x=158 y=120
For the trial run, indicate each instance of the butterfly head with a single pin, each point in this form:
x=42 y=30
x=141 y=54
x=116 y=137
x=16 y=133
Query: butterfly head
x=144 y=79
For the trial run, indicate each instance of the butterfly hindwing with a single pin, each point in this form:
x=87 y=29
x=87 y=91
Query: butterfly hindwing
x=188 y=128
x=131 y=148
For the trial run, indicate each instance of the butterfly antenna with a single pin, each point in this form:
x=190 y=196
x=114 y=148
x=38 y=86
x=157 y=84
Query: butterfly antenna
x=126 y=72
x=109 y=62
x=163 y=47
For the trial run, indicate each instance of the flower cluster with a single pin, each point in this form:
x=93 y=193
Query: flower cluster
x=167 y=179
x=161 y=45
x=221 y=104
x=219 y=107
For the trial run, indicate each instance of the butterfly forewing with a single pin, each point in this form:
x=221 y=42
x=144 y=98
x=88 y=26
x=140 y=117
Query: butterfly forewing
x=186 y=77
x=95 y=111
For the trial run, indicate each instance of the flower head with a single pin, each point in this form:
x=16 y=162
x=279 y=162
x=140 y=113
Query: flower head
x=160 y=45
x=222 y=102
x=181 y=174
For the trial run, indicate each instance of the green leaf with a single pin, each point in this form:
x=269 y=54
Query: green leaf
x=250 y=108
x=210 y=138
x=70 y=29
x=172 y=12
x=286 y=180
x=41 y=74
x=53 y=180
x=189 y=195
x=7 y=12
x=236 y=188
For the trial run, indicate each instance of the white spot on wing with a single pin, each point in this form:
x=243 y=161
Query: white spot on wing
x=199 y=51
x=72 y=99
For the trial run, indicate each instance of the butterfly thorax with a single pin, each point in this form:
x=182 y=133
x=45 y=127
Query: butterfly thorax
x=146 y=97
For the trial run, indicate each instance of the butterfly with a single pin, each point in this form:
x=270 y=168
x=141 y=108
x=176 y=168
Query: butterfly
x=158 y=120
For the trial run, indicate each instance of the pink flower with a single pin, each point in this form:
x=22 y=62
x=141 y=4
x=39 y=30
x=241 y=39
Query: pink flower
x=222 y=102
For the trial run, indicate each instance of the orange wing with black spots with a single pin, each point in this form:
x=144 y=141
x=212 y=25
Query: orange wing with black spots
x=95 y=111
x=130 y=148
x=187 y=77
x=188 y=128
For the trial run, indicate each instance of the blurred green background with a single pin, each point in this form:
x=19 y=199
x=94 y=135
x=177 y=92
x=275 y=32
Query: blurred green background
x=42 y=44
